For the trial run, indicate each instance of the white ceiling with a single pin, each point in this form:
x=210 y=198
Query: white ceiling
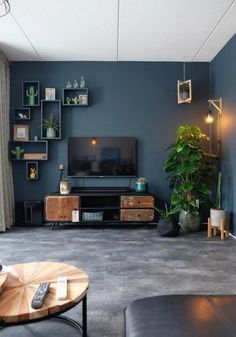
x=117 y=30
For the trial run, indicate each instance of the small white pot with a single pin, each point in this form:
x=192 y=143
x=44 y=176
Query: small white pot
x=217 y=215
x=64 y=187
x=51 y=133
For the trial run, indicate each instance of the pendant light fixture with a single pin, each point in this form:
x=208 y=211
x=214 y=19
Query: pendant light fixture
x=209 y=118
x=4 y=7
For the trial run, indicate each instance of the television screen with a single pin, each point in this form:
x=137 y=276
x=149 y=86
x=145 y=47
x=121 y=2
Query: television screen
x=102 y=157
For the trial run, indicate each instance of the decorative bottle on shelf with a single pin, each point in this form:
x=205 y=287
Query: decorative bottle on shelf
x=75 y=84
x=82 y=82
x=68 y=85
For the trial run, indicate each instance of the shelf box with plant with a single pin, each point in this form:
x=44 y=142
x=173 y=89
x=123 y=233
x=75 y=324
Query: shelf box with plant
x=184 y=91
x=51 y=119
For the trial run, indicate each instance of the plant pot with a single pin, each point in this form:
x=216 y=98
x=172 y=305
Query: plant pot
x=168 y=228
x=189 y=222
x=217 y=215
x=184 y=95
x=140 y=187
x=51 y=133
x=64 y=187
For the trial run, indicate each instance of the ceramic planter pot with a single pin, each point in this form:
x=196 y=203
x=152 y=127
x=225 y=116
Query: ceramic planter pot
x=189 y=222
x=184 y=95
x=168 y=228
x=217 y=215
x=51 y=133
x=64 y=187
x=140 y=187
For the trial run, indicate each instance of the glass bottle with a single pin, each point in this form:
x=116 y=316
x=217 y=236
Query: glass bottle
x=82 y=82
x=68 y=85
x=75 y=84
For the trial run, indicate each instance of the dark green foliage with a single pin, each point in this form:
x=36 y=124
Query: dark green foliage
x=190 y=169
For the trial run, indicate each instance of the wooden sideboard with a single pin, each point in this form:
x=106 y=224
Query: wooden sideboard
x=100 y=207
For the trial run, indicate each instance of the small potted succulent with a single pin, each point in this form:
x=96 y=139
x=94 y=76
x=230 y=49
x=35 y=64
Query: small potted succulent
x=141 y=185
x=51 y=125
x=18 y=152
x=167 y=224
x=218 y=214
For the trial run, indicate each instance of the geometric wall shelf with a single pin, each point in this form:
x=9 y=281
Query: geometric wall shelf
x=30 y=93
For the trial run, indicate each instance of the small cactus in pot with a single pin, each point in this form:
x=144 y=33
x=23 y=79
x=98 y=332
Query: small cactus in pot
x=31 y=94
x=18 y=152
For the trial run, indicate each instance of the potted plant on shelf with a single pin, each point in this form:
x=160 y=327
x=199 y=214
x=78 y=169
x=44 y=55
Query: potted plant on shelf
x=167 y=225
x=189 y=167
x=51 y=125
x=218 y=214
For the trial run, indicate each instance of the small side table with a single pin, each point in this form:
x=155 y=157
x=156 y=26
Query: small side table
x=224 y=229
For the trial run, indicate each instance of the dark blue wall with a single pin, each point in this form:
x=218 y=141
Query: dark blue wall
x=223 y=84
x=126 y=99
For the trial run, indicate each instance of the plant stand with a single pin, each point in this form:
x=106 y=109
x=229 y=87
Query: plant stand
x=223 y=228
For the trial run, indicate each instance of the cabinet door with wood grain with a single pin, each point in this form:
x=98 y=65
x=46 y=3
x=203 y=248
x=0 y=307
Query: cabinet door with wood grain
x=134 y=201
x=59 y=208
x=136 y=215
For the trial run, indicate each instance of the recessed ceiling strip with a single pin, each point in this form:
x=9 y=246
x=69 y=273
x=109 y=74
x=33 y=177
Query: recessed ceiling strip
x=213 y=31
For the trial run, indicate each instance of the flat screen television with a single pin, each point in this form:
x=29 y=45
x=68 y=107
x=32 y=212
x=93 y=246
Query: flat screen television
x=102 y=157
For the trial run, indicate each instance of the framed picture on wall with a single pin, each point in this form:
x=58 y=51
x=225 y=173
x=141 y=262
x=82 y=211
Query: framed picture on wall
x=21 y=132
x=50 y=94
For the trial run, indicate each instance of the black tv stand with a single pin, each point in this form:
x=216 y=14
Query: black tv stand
x=96 y=205
x=102 y=189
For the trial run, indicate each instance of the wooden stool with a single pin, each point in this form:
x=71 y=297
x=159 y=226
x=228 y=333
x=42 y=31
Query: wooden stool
x=223 y=228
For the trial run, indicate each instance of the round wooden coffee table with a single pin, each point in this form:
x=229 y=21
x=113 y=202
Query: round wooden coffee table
x=3 y=279
x=21 y=284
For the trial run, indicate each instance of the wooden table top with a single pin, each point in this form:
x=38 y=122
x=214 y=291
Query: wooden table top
x=23 y=281
x=3 y=279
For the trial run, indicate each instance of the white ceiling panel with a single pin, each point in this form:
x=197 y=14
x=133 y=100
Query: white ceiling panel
x=219 y=37
x=13 y=41
x=117 y=30
x=166 y=30
x=70 y=30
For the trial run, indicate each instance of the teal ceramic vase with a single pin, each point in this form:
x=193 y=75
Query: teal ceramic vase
x=140 y=187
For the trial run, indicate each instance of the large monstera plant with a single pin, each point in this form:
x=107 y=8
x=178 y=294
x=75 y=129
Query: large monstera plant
x=190 y=168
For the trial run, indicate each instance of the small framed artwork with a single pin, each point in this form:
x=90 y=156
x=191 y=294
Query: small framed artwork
x=21 y=132
x=32 y=170
x=50 y=94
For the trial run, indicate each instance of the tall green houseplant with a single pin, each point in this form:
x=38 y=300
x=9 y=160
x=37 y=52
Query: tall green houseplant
x=189 y=168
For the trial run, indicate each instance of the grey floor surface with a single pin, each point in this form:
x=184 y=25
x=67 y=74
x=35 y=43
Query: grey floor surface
x=123 y=265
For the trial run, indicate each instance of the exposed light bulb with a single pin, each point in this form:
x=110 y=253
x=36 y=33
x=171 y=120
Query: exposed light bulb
x=209 y=119
x=93 y=141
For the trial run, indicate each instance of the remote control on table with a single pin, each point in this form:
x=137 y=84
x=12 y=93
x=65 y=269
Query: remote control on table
x=40 y=295
x=62 y=288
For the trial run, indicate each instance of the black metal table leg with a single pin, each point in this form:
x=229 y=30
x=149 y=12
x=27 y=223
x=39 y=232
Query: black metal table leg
x=84 y=316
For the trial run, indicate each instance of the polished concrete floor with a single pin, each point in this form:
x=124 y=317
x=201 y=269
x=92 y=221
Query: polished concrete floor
x=123 y=264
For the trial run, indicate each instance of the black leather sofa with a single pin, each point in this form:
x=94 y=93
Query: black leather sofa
x=181 y=316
